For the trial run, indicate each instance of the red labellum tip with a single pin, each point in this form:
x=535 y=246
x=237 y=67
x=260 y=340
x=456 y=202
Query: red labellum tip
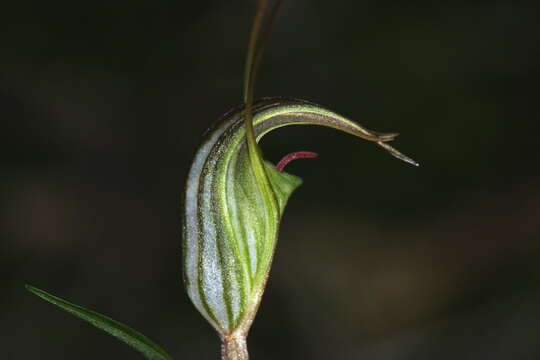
x=293 y=156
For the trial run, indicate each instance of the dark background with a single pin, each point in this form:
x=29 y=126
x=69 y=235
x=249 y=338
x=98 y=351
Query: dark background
x=103 y=104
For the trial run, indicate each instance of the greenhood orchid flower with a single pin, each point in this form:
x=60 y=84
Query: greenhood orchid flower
x=234 y=201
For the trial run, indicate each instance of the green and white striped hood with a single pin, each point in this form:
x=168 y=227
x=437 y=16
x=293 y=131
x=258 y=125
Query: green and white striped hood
x=232 y=213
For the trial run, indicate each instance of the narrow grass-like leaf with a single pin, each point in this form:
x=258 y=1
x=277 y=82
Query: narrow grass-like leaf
x=120 y=331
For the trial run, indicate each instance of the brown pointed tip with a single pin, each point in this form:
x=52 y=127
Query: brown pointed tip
x=407 y=160
x=385 y=136
x=395 y=153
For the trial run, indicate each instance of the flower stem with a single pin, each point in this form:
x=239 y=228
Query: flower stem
x=234 y=347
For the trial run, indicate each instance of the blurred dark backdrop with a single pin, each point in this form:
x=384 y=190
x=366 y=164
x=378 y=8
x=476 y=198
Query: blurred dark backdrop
x=103 y=104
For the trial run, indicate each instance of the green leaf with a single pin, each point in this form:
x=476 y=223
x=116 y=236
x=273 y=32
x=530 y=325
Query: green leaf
x=120 y=331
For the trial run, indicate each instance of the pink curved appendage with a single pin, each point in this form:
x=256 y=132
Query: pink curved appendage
x=293 y=156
